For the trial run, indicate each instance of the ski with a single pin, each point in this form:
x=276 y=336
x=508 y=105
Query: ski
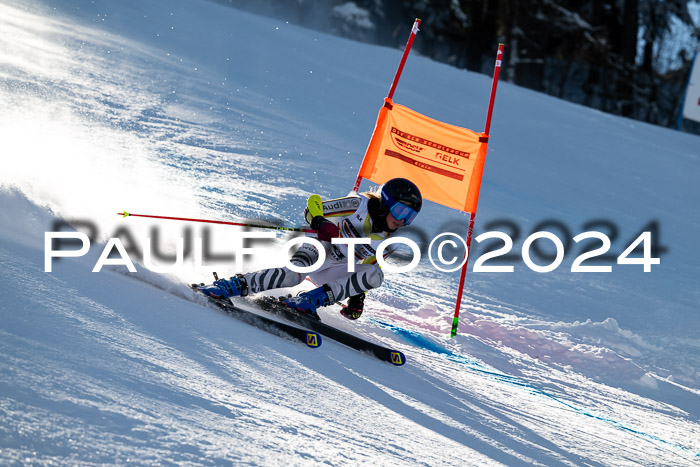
x=276 y=307
x=312 y=330
x=310 y=338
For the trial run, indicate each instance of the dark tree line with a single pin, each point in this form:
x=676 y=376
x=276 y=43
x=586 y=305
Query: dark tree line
x=612 y=55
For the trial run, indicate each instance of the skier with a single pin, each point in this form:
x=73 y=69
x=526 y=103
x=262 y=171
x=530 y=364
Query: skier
x=366 y=215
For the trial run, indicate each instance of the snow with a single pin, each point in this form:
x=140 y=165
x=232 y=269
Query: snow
x=192 y=109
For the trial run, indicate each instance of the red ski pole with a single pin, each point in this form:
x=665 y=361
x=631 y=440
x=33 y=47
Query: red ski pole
x=209 y=221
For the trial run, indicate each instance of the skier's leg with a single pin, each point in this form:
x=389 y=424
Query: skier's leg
x=266 y=279
x=276 y=278
x=365 y=277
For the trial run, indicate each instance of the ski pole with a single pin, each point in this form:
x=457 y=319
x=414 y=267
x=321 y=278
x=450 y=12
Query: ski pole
x=209 y=221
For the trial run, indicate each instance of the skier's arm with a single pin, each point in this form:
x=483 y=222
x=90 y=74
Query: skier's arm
x=388 y=251
x=334 y=208
x=326 y=229
x=316 y=214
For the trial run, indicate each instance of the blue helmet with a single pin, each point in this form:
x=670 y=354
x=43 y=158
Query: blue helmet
x=402 y=198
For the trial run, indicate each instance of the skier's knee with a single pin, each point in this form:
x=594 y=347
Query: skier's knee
x=307 y=255
x=374 y=277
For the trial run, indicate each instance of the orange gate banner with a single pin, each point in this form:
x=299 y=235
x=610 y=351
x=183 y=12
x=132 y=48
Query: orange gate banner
x=446 y=162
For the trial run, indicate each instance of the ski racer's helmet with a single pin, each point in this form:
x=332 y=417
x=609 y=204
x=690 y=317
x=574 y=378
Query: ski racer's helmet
x=402 y=198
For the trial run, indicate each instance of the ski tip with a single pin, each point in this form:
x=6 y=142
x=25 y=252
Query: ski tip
x=313 y=339
x=123 y=214
x=397 y=358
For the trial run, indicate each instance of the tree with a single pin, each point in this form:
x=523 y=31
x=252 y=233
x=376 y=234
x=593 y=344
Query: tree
x=607 y=54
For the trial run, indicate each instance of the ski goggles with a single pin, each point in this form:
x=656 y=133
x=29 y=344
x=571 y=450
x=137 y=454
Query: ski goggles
x=399 y=210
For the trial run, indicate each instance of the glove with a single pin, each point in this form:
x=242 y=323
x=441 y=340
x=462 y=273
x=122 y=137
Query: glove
x=325 y=228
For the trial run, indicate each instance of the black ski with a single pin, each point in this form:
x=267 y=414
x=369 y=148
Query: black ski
x=310 y=338
x=274 y=306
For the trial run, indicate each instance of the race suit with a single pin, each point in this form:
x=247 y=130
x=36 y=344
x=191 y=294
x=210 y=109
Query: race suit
x=352 y=217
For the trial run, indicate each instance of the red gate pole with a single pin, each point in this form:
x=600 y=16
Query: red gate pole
x=455 y=320
x=494 y=85
x=406 y=50
x=470 y=229
x=397 y=76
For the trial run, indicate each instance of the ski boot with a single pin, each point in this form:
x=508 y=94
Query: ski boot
x=355 y=306
x=222 y=289
x=308 y=302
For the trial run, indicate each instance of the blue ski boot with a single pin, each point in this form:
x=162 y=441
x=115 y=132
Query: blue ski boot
x=226 y=288
x=308 y=302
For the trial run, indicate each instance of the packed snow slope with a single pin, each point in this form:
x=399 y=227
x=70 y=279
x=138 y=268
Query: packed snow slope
x=191 y=109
